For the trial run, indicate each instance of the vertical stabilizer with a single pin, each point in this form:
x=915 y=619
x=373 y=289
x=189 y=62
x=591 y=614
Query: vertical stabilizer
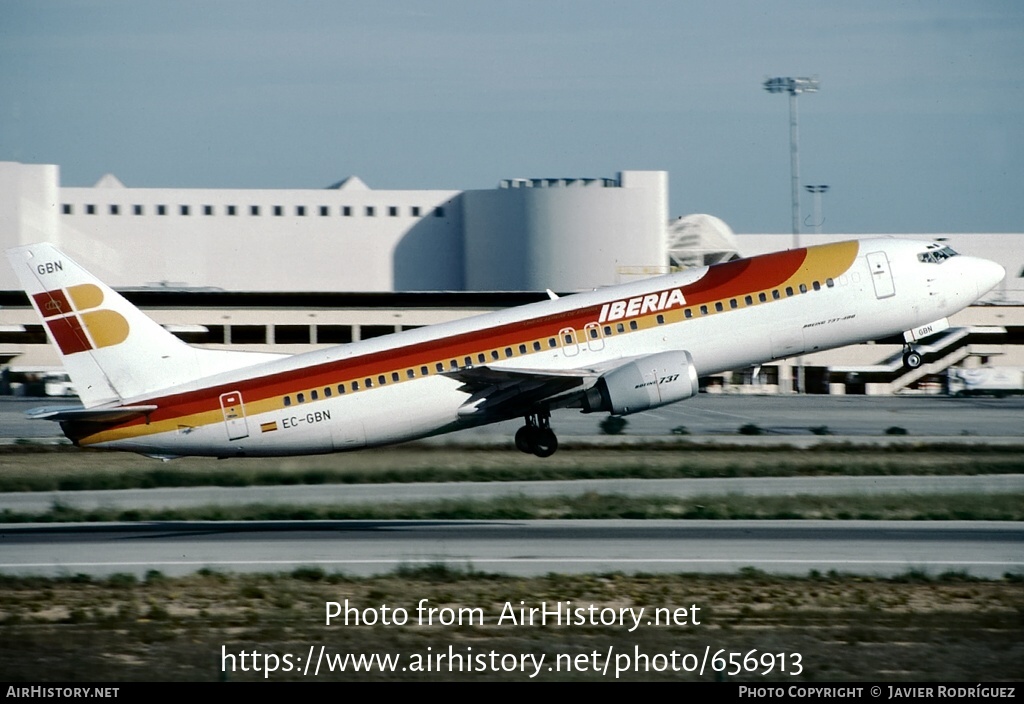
x=110 y=349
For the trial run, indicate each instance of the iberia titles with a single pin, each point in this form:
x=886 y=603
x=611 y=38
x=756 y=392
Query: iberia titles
x=641 y=305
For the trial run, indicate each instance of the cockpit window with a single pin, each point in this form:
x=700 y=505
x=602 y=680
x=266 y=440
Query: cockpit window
x=939 y=254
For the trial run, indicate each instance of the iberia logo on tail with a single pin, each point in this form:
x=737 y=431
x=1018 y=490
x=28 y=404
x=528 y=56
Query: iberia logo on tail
x=75 y=320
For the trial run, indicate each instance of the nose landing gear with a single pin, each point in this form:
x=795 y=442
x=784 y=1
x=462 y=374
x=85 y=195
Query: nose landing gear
x=537 y=437
x=911 y=358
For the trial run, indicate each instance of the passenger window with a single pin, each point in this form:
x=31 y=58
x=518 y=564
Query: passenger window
x=481 y=358
x=569 y=339
x=287 y=401
x=395 y=377
x=382 y=380
x=763 y=297
x=776 y=295
x=439 y=366
x=830 y=283
x=468 y=362
x=453 y=365
x=719 y=307
x=619 y=327
x=424 y=371
x=508 y=352
x=552 y=342
x=313 y=395
x=688 y=313
x=410 y=373
x=733 y=304
x=368 y=382
x=301 y=398
x=661 y=320
x=789 y=290
x=341 y=388
x=703 y=310
x=522 y=349
x=816 y=286
x=355 y=386
x=327 y=392
x=633 y=325
x=607 y=330
x=536 y=346
x=803 y=288
x=495 y=355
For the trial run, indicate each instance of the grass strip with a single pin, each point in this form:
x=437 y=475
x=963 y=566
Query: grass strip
x=931 y=507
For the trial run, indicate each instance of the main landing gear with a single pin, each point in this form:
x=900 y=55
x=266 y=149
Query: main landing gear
x=537 y=437
x=911 y=358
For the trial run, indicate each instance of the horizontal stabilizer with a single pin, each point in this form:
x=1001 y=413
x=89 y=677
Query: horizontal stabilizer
x=94 y=415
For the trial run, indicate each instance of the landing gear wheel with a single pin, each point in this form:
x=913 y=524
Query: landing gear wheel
x=545 y=443
x=912 y=359
x=524 y=439
x=537 y=437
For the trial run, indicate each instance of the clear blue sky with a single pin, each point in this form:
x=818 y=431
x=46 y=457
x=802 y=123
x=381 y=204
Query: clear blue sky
x=918 y=127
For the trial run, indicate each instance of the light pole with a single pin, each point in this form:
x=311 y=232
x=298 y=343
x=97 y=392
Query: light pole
x=817 y=192
x=793 y=86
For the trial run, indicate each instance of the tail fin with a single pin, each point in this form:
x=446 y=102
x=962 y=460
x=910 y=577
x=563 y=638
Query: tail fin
x=110 y=349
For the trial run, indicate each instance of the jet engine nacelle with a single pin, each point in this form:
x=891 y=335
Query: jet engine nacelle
x=648 y=382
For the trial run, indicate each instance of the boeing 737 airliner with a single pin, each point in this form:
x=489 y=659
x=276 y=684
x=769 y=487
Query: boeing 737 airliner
x=621 y=350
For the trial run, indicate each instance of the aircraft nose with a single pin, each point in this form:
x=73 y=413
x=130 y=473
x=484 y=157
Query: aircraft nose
x=987 y=275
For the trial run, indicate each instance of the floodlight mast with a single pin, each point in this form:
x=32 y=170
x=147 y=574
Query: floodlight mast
x=793 y=86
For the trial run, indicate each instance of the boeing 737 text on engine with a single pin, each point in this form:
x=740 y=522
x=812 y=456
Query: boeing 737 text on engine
x=619 y=350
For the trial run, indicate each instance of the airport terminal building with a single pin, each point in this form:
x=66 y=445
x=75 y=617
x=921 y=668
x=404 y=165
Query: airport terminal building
x=289 y=269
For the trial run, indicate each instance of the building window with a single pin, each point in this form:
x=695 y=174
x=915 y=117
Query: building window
x=66 y=209
x=115 y=209
x=184 y=210
x=392 y=211
x=324 y=211
x=346 y=210
x=90 y=210
x=369 y=211
x=415 y=211
x=207 y=210
x=161 y=210
x=137 y=209
x=278 y=210
x=232 y=210
x=254 y=210
x=300 y=210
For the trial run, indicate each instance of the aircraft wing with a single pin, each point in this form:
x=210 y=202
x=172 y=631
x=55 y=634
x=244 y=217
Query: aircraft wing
x=504 y=392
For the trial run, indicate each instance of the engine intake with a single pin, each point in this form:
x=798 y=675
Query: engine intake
x=648 y=382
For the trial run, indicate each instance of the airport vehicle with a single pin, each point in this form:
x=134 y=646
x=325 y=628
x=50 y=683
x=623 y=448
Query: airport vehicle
x=620 y=350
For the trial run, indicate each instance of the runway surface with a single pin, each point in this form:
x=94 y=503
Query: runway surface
x=884 y=548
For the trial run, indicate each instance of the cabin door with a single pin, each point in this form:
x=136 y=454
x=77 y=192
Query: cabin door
x=881 y=275
x=234 y=415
